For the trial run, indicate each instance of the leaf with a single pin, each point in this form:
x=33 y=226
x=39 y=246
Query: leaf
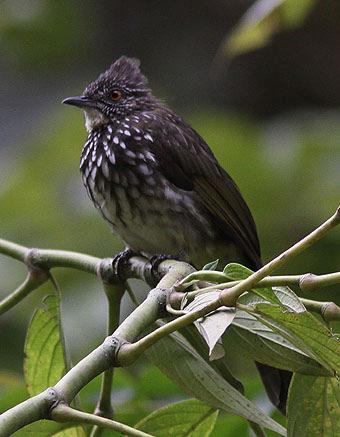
x=221 y=365
x=75 y=431
x=261 y=21
x=44 y=362
x=304 y=331
x=277 y=295
x=47 y=428
x=211 y=266
x=252 y=339
x=189 y=418
x=237 y=272
x=212 y=326
x=175 y=357
x=314 y=407
x=288 y=298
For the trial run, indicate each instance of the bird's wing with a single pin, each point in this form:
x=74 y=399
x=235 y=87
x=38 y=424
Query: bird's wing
x=187 y=161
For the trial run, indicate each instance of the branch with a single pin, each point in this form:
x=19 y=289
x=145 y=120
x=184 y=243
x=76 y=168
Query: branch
x=329 y=311
x=114 y=293
x=306 y=282
x=102 y=358
x=64 y=413
x=227 y=297
x=116 y=349
x=34 y=279
x=40 y=261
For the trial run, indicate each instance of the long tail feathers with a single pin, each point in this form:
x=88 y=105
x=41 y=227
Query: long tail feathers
x=276 y=383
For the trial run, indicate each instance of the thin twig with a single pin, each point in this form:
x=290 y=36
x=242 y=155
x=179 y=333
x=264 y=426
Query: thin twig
x=64 y=413
x=173 y=311
x=33 y=280
x=306 y=282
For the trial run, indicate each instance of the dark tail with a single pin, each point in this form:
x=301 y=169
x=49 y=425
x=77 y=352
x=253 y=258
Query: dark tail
x=276 y=383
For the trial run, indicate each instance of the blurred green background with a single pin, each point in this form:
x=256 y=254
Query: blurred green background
x=271 y=116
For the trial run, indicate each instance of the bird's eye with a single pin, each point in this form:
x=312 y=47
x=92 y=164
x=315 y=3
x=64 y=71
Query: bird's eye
x=116 y=95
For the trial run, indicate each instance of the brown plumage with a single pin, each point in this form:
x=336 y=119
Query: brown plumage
x=159 y=186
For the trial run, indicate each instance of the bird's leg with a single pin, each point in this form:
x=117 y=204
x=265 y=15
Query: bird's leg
x=120 y=261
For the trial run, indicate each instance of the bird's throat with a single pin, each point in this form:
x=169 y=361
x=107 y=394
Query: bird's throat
x=94 y=119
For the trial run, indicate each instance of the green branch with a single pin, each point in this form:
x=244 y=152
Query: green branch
x=102 y=358
x=227 y=297
x=34 y=279
x=40 y=261
x=64 y=413
x=306 y=282
x=114 y=293
x=116 y=349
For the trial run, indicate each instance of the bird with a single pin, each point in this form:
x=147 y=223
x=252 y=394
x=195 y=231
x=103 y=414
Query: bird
x=157 y=183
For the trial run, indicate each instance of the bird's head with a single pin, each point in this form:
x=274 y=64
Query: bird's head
x=118 y=92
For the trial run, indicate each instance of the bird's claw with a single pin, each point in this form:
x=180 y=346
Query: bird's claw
x=120 y=263
x=153 y=275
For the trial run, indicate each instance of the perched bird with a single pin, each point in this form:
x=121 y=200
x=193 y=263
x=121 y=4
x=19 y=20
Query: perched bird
x=157 y=183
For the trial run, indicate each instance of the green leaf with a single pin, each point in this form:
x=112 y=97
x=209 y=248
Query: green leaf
x=277 y=295
x=212 y=326
x=47 y=428
x=237 y=272
x=252 y=339
x=212 y=265
x=261 y=21
x=44 y=362
x=304 y=331
x=189 y=418
x=221 y=365
x=288 y=298
x=314 y=407
x=179 y=361
x=75 y=431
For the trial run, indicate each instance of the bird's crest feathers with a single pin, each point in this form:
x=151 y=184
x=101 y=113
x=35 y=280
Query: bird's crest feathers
x=123 y=73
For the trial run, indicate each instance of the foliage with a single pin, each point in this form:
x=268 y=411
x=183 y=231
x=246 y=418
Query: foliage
x=283 y=157
x=187 y=418
x=262 y=20
x=289 y=330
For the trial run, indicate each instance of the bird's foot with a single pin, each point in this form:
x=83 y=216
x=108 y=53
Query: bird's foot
x=120 y=263
x=152 y=275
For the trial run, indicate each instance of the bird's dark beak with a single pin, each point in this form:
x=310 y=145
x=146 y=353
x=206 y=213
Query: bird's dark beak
x=80 y=101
